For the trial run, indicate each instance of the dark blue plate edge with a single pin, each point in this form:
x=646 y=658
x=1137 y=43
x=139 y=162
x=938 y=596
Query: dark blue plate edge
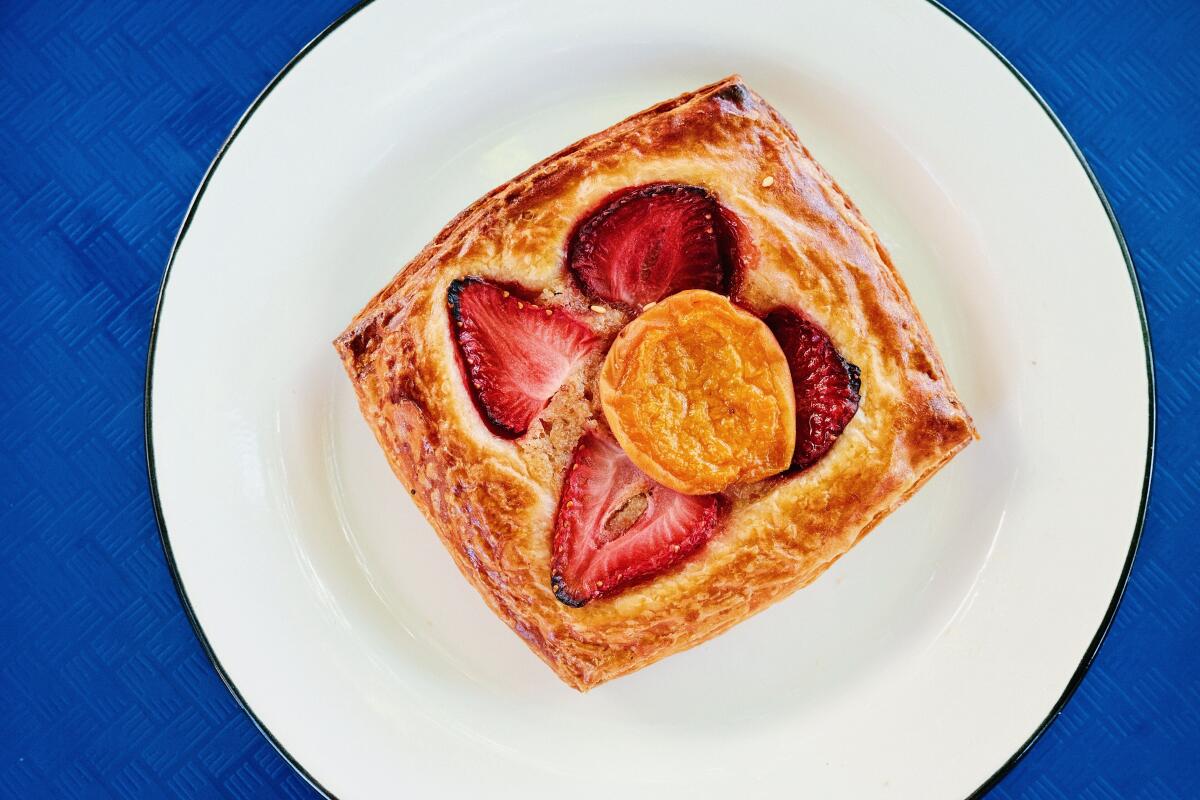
x=1106 y=623
x=1089 y=654
x=163 y=535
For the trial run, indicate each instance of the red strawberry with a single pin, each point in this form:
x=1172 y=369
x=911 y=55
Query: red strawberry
x=615 y=526
x=652 y=241
x=515 y=354
x=827 y=385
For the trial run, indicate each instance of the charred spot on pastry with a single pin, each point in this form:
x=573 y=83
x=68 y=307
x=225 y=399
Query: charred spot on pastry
x=735 y=94
x=828 y=387
x=514 y=354
x=454 y=294
x=360 y=344
x=563 y=594
x=855 y=378
x=644 y=243
x=616 y=527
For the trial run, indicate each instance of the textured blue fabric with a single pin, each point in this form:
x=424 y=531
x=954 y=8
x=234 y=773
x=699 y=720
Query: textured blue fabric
x=110 y=112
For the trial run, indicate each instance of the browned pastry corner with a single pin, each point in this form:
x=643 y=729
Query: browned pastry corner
x=492 y=491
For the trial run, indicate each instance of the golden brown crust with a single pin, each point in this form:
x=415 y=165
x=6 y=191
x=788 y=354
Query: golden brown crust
x=492 y=501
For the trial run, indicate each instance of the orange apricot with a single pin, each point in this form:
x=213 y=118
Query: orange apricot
x=699 y=394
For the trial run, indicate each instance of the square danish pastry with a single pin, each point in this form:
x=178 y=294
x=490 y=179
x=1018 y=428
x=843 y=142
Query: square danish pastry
x=654 y=384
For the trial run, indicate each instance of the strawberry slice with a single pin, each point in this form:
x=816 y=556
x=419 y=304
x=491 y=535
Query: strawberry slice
x=648 y=242
x=515 y=354
x=615 y=526
x=827 y=385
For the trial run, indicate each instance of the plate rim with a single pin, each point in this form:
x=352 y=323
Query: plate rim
x=1089 y=654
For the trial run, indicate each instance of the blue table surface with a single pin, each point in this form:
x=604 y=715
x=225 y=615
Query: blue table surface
x=109 y=114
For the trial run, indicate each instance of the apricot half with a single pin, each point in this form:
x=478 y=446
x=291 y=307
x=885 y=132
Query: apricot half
x=699 y=394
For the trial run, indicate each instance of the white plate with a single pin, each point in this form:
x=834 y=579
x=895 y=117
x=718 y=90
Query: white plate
x=919 y=666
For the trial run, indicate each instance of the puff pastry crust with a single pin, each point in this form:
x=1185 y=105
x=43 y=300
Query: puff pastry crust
x=492 y=500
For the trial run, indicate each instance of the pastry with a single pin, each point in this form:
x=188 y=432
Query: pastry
x=654 y=384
